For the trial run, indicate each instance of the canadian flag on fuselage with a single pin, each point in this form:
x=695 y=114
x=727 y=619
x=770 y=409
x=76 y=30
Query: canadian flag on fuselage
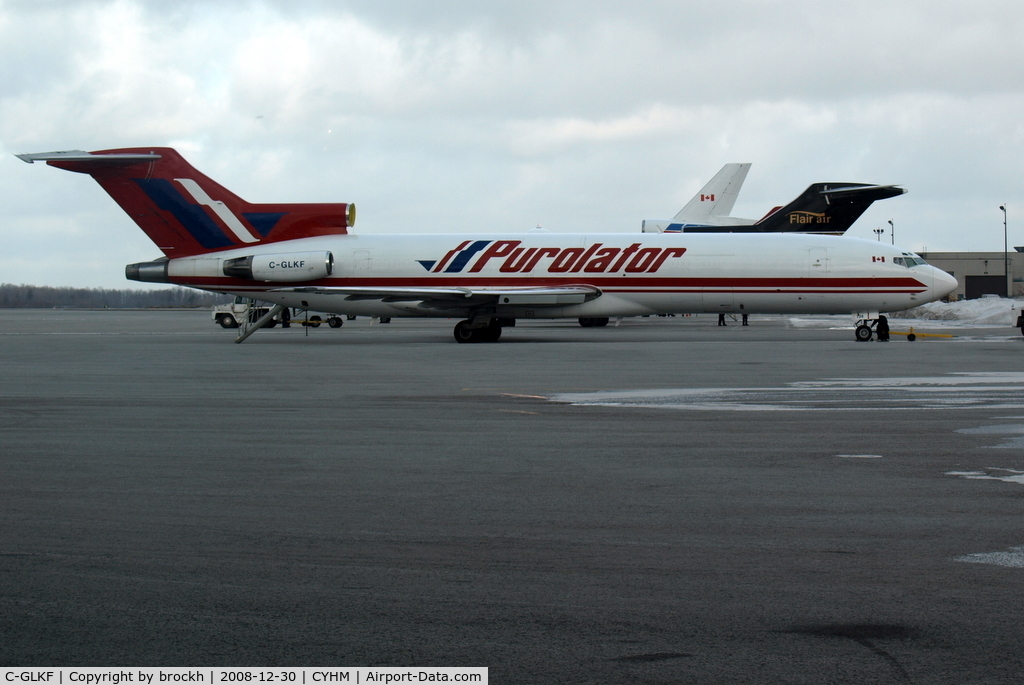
x=187 y=213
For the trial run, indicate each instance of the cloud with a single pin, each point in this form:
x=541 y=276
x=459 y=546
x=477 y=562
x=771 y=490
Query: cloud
x=471 y=116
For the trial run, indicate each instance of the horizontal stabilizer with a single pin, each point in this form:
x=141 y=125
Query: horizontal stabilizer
x=83 y=156
x=865 y=191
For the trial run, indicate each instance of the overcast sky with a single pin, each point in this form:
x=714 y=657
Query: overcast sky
x=470 y=116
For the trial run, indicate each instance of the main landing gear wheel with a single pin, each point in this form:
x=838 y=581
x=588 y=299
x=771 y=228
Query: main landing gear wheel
x=464 y=333
x=491 y=333
x=593 y=321
x=863 y=333
x=334 y=322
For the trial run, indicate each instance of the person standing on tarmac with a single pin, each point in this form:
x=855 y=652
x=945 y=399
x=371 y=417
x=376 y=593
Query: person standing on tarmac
x=721 y=318
x=882 y=328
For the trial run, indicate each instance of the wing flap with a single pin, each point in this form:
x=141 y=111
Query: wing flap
x=461 y=297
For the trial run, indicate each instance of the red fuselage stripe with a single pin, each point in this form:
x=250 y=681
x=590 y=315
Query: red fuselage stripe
x=607 y=284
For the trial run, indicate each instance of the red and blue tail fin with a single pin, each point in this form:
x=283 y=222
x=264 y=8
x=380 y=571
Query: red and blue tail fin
x=185 y=212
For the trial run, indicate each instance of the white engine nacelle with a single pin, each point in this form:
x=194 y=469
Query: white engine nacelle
x=281 y=268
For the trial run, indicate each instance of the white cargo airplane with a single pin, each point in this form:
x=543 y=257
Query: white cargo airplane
x=302 y=256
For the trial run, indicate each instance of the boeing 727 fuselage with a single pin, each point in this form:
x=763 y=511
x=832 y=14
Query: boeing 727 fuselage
x=302 y=256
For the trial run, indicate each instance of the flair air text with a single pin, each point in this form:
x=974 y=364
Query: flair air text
x=809 y=218
x=472 y=256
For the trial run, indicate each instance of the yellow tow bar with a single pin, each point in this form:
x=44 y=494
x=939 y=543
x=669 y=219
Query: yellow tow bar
x=912 y=336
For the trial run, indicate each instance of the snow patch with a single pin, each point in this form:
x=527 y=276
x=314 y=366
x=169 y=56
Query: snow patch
x=1013 y=557
x=989 y=474
x=993 y=311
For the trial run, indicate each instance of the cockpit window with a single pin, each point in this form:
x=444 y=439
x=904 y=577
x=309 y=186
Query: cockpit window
x=909 y=261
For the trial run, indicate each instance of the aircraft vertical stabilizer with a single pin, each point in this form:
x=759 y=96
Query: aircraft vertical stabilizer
x=828 y=208
x=187 y=213
x=709 y=207
x=717 y=198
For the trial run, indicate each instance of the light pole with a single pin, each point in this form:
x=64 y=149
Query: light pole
x=892 y=230
x=1006 y=254
x=878 y=233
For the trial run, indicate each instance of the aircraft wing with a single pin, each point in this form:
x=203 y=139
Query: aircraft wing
x=459 y=298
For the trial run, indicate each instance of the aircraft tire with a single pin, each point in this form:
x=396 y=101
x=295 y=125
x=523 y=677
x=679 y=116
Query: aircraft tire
x=335 y=322
x=491 y=333
x=863 y=333
x=586 y=321
x=601 y=321
x=465 y=334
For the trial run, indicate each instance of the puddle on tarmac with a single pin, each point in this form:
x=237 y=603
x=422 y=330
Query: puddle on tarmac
x=956 y=390
x=1014 y=429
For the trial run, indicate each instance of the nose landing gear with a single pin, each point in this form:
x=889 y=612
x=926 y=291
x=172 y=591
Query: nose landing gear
x=865 y=328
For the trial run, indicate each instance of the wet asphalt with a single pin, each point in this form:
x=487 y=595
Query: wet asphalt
x=381 y=495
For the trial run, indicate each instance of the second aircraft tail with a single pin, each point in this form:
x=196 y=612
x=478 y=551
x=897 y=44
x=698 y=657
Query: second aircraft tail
x=825 y=208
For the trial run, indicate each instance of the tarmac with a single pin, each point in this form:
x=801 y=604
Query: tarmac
x=662 y=501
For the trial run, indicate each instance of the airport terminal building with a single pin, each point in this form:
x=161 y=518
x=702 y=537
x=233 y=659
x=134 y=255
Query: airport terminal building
x=982 y=273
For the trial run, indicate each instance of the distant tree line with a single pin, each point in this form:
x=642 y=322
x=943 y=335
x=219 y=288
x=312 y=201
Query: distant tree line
x=37 y=296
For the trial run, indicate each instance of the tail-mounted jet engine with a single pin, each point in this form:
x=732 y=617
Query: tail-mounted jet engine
x=281 y=268
x=148 y=272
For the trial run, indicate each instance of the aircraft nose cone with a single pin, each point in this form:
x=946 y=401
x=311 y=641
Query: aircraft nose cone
x=943 y=283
